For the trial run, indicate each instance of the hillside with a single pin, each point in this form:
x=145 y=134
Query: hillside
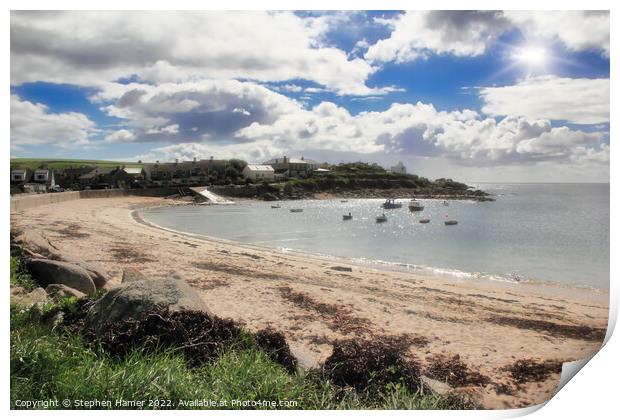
x=60 y=164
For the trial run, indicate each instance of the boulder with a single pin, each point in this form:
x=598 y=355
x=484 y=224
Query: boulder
x=29 y=300
x=96 y=271
x=59 y=291
x=131 y=274
x=59 y=272
x=131 y=299
x=35 y=243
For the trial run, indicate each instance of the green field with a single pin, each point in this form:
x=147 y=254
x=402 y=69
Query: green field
x=59 y=164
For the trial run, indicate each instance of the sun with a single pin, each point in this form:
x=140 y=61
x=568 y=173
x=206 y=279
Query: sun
x=532 y=56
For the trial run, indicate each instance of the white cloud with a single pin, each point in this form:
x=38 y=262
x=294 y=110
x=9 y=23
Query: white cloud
x=192 y=111
x=578 y=101
x=91 y=48
x=120 y=136
x=421 y=130
x=33 y=124
x=468 y=33
x=578 y=30
x=416 y=33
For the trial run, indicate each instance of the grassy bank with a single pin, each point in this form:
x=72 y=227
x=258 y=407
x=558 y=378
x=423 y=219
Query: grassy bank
x=50 y=362
x=61 y=164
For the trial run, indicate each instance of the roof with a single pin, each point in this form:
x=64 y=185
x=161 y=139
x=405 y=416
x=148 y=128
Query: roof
x=260 y=168
x=97 y=171
x=188 y=165
x=291 y=160
x=133 y=171
x=19 y=171
x=41 y=171
x=322 y=170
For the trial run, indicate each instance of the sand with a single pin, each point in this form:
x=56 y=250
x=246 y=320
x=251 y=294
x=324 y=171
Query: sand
x=315 y=301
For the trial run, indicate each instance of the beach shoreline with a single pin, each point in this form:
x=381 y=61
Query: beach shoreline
x=254 y=285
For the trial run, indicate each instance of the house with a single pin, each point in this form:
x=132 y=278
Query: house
x=69 y=177
x=399 y=168
x=44 y=176
x=111 y=177
x=195 y=172
x=298 y=168
x=258 y=172
x=20 y=176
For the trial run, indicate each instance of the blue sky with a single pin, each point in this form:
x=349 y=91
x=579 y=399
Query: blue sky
x=473 y=95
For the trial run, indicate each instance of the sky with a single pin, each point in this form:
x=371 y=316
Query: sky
x=479 y=96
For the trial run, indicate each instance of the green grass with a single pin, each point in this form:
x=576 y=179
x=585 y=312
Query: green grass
x=59 y=164
x=19 y=277
x=50 y=365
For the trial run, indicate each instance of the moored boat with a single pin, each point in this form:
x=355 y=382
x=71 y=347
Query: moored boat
x=277 y=206
x=391 y=203
x=415 y=205
x=296 y=210
x=451 y=222
x=347 y=216
x=425 y=220
x=382 y=218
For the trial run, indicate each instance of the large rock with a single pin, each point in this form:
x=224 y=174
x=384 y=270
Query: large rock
x=29 y=300
x=132 y=299
x=131 y=274
x=59 y=272
x=36 y=244
x=59 y=291
x=95 y=271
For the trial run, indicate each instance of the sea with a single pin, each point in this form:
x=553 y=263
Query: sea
x=532 y=233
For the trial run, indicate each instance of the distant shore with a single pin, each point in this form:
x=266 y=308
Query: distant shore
x=292 y=293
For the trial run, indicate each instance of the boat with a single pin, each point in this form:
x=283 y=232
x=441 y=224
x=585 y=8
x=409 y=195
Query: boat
x=296 y=210
x=275 y=207
x=382 y=218
x=451 y=222
x=344 y=201
x=445 y=203
x=347 y=216
x=415 y=205
x=390 y=203
x=425 y=220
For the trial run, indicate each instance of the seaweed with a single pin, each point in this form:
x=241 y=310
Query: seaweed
x=529 y=370
x=454 y=372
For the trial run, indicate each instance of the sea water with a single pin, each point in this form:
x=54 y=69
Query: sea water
x=556 y=233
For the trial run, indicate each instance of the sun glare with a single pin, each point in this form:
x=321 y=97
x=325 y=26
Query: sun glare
x=532 y=56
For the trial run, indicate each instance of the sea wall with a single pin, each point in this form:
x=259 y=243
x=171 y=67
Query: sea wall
x=24 y=202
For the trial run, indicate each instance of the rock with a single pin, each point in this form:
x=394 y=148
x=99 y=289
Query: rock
x=59 y=291
x=35 y=242
x=17 y=290
x=133 y=298
x=131 y=274
x=438 y=387
x=59 y=272
x=95 y=271
x=37 y=297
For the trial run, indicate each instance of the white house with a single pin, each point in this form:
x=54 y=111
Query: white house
x=259 y=172
x=399 y=168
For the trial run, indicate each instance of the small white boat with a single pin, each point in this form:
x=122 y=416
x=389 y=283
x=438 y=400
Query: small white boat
x=415 y=205
x=451 y=222
x=296 y=210
x=381 y=219
x=390 y=203
x=344 y=201
x=425 y=220
x=347 y=216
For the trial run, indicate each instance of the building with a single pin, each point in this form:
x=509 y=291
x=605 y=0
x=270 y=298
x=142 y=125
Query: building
x=44 y=176
x=399 y=168
x=195 y=172
x=296 y=168
x=20 y=176
x=111 y=177
x=259 y=172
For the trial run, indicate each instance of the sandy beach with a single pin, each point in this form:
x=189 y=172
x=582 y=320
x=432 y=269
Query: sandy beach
x=316 y=301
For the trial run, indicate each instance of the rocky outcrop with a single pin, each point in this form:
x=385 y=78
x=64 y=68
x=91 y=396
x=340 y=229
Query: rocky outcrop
x=131 y=299
x=48 y=272
x=21 y=299
x=131 y=274
x=60 y=291
x=95 y=271
x=36 y=245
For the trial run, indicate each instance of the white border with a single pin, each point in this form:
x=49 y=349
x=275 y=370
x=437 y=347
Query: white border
x=592 y=394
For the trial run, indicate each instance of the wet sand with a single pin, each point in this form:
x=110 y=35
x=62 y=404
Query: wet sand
x=316 y=301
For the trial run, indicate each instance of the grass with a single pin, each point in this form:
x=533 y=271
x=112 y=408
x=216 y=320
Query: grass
x=59 y=164
x=49 y=363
